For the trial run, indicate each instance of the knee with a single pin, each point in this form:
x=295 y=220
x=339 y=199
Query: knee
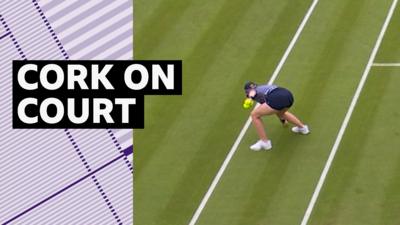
x=254 y=115
x=282 y=115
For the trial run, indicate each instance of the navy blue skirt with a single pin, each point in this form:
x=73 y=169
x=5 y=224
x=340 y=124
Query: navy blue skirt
x=280 y=98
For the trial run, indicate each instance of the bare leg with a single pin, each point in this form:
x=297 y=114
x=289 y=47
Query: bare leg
x=256 y=114
x=292 y=119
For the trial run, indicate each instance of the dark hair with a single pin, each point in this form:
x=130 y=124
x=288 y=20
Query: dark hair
x=249 y=85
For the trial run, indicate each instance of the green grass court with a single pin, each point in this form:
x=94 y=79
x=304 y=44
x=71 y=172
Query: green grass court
x=224 y=43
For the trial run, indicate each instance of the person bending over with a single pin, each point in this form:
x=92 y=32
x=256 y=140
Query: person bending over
x=273 y=100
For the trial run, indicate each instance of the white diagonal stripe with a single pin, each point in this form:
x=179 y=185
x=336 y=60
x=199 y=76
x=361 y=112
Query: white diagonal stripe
x=347 y=118
x=232 y=151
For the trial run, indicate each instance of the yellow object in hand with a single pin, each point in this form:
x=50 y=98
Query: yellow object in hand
x=248 y=102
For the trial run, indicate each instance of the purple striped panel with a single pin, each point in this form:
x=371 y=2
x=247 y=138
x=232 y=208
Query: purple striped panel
x=40 y=163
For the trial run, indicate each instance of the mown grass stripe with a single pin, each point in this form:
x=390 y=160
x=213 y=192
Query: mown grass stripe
x=232 y=151
x=347 y=117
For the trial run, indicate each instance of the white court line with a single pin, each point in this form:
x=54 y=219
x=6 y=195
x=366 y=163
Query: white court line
x=232 y=151
x=347 y=117
x=386 y=64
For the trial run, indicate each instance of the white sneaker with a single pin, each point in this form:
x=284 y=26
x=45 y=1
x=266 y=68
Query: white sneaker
x=266 y=145
x=301 y=130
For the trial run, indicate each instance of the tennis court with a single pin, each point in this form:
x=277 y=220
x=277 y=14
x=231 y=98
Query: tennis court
x=340 y=59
